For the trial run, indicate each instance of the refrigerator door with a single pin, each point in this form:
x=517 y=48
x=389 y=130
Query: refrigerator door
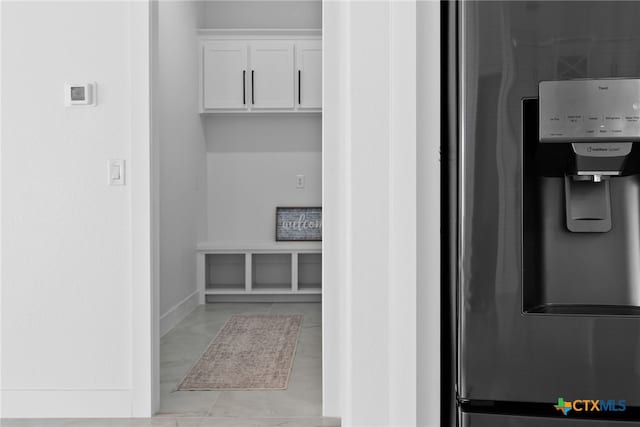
x=578 y=350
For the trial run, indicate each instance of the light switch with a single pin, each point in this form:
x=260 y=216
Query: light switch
x=299 y=181
x=116 y=172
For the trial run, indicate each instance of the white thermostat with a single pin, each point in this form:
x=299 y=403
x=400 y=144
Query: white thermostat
x=79 y=94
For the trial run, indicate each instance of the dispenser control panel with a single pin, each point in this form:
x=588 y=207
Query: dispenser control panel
x=602 y=110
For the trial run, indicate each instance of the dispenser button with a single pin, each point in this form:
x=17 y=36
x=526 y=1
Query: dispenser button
x=574 y=123
x=632 y=124
x=613 y=122
x=556 y=126
x=592 y=123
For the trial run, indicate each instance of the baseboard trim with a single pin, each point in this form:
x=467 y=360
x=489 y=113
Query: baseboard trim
x=66 y=403
x=175 y=314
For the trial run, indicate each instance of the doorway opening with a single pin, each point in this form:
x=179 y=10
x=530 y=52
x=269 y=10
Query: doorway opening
x=237 y=98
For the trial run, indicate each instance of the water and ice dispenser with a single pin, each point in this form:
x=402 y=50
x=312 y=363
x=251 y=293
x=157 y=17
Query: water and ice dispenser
x=581 y=206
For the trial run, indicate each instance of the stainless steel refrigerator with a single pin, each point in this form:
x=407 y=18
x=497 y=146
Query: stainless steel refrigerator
x=542 y=175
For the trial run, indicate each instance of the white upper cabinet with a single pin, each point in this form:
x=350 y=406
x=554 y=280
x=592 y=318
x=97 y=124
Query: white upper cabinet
x=224 y=75
x=272 y=79
x=260 y=71
x=309 y=74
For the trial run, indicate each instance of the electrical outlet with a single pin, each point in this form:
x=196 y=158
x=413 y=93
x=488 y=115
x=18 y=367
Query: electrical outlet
x=299 y=181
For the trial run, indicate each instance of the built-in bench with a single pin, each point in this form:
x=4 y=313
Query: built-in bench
x=259 y=271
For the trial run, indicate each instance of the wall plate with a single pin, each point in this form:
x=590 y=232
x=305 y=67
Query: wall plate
x=116 y=172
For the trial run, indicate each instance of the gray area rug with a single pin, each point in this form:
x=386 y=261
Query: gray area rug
x=251 y=352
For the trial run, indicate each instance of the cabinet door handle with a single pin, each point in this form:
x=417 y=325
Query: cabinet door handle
x=244 y=84
x=299 y=91
x=253 y=101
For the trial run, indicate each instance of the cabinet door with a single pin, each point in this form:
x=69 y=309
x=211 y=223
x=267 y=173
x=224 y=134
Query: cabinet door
x=224 y=75
x=309 y=74
x=271 y=76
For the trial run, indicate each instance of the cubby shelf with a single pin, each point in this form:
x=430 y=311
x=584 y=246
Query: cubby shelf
x=259 y=268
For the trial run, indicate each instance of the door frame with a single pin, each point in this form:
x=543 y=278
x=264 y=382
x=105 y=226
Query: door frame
x=145 y=337
x=144 y=180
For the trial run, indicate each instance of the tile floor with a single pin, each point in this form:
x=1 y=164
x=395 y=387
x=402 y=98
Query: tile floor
x=298 y=406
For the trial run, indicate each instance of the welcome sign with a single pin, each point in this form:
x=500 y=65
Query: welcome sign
x=298 y=224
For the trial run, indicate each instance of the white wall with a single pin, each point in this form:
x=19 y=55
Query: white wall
x=182 y=165
x=380 y=254
x=264 y=14
x=252 y=165
x=247 y=187
x=67 y=324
